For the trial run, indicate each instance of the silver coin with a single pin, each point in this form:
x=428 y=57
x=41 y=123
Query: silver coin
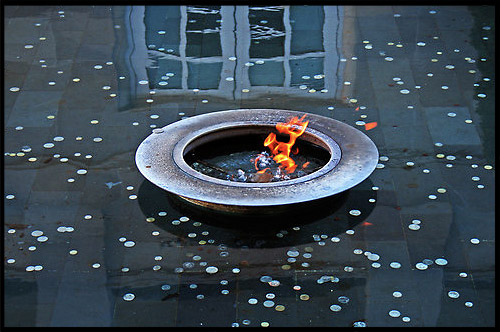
x=355 y=212
x=36 y=233
x=414 y=227
x=335 y=307
x=268 y=304
x=421 y=266
x=211 y=269
x=253 y=301
x=343 y=299
x=42 y=238
x=394 y=313
x=266 y=278
x=395 y=265
x=441 y=261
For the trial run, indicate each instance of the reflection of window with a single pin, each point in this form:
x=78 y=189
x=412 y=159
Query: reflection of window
x=163 y=31
x=307 y=33
x=290 y=39
x=224 y=50
x=204 y=75
x=307 y=71
x=307 y=46
x=167 y=74
x=269 y=73
x=178 y=38
x=267 y=33
x=203 y=31
x=267 y=41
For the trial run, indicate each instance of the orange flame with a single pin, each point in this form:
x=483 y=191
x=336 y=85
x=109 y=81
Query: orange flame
x=255 y=162
x=281 y=150
x=264 y=170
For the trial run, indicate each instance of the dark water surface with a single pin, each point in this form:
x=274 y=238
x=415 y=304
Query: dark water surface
x=89 y=242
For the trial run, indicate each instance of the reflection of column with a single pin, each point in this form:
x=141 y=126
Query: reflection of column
x=139 y=51
x=125 y=88
x=287 y=46
x=242 y=48
x=346 y=37
x=182 y=47
x=227 y=44
x=332 y=37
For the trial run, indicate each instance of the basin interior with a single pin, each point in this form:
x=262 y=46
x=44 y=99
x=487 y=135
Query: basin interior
x=221 y=153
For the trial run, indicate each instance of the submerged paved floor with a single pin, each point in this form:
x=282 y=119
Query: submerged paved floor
x=89 y=242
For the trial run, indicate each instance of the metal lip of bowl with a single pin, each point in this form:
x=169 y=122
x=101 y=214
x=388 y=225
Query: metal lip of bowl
x=160 y=159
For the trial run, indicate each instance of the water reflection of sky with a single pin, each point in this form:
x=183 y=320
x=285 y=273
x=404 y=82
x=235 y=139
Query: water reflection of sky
x=89 y=242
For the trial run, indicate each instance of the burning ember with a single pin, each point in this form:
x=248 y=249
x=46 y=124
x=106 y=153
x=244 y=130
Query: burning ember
x=280 y=152
x=280 y=162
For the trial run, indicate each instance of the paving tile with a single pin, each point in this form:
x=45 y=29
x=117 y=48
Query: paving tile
x=32 y=109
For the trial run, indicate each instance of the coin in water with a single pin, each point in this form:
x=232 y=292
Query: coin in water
x=441 y=261
x=355 y=212
x=252 y=301
x=394 y=313
x=421 y=266
x=268 y=304
x=335 y=307
x=343 y=299
x=395 y=265
x=211 y=269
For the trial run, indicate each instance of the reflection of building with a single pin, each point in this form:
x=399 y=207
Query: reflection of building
x=223 y=50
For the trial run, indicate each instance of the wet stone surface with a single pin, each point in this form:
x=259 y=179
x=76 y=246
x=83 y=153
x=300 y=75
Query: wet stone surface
x=89 y=242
